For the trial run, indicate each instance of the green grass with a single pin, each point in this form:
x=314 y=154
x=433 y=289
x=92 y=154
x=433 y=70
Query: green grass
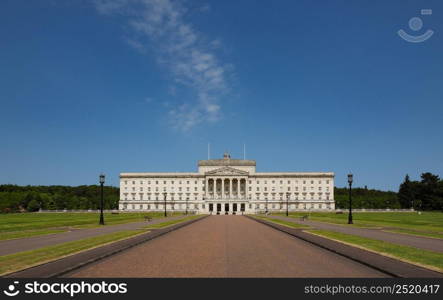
x=27 y=233
x=22 y=260
x=37 y=221
x=427 y=222
x=426 y=258
x=281 y=222
x=434 y=235
x=171 y=222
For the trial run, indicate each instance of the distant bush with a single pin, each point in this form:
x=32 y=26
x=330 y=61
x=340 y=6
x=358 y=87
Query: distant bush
x=14 y=198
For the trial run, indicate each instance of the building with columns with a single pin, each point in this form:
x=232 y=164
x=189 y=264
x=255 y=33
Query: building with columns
x=227 y=186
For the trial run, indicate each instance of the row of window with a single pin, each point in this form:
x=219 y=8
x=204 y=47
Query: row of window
x=250 y=206
x=164 y=189
x=288 y=189
x=203 y=182
x=305 y=196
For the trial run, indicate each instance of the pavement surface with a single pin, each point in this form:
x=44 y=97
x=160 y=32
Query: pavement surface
x=25 y=244
x=226 y=246
x=378 y=234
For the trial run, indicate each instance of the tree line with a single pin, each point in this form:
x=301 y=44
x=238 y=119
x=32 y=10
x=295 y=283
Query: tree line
x=426 y=194
x=14 y=198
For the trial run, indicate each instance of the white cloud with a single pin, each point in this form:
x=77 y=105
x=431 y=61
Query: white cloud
x=190 y=59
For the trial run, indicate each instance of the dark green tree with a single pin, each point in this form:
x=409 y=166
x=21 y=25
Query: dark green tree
x=406 y=195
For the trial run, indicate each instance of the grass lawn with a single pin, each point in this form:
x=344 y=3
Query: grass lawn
x=434 y=235
x=281 y=222
x=27 y=233
x=39 y=221
x=425 y=223
x=171 y=222
x=22 y=260
x=430 y=259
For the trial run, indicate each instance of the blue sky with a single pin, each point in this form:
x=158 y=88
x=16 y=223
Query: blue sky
x=132 y=85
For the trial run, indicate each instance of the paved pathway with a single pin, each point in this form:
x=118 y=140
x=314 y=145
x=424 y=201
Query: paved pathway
x=226 y=246
x=396 y=238
x=25 y=244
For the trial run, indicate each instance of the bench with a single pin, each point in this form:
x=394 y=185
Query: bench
x=148 y=218
x=303 y=218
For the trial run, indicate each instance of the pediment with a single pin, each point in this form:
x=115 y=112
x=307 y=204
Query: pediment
x=227 y=171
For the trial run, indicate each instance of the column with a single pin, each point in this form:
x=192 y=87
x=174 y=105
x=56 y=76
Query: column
x=238 y=187
x=223 y=188
x=206 y=188
x=214 y=186
x=230 y=188
x=246 y=189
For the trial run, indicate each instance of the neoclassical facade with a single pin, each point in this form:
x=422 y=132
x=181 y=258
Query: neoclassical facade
x=227 y=186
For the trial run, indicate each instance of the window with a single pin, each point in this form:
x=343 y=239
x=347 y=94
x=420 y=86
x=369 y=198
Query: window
x=133 y=182
x=179 y=182
x=156 y=182
x=327 y=181
x=164 y=182
x=289 y=188
x=187 y=182
x=141 y=182
x=141 y=189
x=195 y=189
x=196 y=182
x=281 y=181
x=289 y=182
x=273 y=181
x=304 y=181
x=250 y=181
x=126 y=182
x=312 y=181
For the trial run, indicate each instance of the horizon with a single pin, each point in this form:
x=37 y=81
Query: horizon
x=109 y=86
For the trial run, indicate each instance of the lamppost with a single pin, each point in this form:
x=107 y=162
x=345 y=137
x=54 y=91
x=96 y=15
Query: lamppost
x=164 y=198
x=266 y=205
x=102 y=181
x=287 y=204
x=350 y=178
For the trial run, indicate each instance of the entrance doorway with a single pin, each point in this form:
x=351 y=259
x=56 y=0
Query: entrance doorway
x=242 y=208
x=211 y=208
x=218 y=208
x=234 y=208
x=226 y=208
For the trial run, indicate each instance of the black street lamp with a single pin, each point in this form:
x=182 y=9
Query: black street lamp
x=164 y=197
x=350 y=179
x=287 y=204
x=102 y=181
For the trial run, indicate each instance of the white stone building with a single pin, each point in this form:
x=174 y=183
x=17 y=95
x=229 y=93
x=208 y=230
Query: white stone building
x=227 y=186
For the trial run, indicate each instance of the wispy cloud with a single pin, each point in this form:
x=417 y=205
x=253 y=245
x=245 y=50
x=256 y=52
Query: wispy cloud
x=184 y=51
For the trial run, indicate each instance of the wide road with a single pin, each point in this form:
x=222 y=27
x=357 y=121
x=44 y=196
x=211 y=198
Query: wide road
x=226 y=246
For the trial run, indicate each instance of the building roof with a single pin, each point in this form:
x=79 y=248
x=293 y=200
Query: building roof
x=226 y=161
